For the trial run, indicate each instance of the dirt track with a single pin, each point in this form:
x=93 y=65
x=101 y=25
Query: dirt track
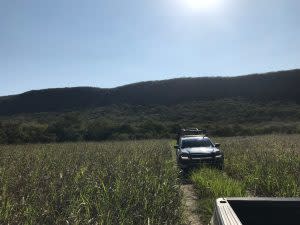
x=190 y=204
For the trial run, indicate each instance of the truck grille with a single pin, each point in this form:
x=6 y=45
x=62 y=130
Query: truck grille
x=200 y=155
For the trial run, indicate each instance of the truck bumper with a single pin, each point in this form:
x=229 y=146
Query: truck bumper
x=210 y=161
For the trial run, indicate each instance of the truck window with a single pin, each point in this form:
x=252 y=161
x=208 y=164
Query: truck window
x=194 y=143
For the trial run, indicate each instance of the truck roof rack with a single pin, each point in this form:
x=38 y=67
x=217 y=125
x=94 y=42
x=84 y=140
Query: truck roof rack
x=192 y=131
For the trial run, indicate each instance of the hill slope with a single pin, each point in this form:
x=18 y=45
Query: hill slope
x=259 y=87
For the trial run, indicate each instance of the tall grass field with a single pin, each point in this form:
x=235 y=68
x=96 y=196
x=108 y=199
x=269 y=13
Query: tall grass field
x=136 y=182
x=89 y=183
x=264 y=166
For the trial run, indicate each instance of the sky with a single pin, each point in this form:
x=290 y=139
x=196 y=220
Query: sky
x=108 y=43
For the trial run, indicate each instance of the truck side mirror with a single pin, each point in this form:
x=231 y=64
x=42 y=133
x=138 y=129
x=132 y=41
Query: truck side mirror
x=176 y=146
x=217 y=145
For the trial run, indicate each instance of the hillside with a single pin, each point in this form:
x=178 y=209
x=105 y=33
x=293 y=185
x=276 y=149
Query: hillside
x=245 y=105
x=275 y=86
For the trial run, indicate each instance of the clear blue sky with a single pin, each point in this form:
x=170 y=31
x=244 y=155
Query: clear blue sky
x=107 y=43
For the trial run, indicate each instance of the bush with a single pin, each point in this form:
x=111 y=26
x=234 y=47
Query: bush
x=100 y=130
x=68 y=128
x=11 y=132
x=3 y=138
x=34 y=133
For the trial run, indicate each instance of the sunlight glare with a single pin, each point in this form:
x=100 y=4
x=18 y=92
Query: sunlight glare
x=203 y=5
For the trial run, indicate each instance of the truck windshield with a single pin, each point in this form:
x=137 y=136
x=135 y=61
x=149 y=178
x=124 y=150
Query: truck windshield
x=193 y=143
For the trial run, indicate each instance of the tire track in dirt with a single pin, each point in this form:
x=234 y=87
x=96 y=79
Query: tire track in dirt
x=190 y=198
x=190 y=204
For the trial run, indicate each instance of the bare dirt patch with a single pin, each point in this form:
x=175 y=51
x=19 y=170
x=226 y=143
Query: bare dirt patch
x=190 y=204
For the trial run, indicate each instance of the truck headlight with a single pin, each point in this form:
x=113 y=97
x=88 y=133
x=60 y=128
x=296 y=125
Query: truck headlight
x=184 y=157
x=217 y=153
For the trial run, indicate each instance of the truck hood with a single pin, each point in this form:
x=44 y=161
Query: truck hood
x=200 y=150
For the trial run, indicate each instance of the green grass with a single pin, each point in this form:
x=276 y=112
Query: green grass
x=135 y=182
x=212 y=184
x=265 y=166
x=89 y=183
x=268 y=165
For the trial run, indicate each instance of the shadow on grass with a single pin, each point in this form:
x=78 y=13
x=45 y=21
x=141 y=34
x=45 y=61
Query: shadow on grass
x=185 y=177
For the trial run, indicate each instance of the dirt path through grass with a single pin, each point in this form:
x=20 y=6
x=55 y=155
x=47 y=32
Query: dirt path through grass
x=189 y=200
x=190 y=204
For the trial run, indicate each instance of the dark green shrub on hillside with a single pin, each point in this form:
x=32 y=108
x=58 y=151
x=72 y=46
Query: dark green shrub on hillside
x=11 y=132
x=3 y=138
x=68 y=128
x=126 y=128
x=153 y=129
x=99 y=130
x=35 y=133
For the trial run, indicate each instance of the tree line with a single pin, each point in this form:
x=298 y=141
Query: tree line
x=73 y=127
